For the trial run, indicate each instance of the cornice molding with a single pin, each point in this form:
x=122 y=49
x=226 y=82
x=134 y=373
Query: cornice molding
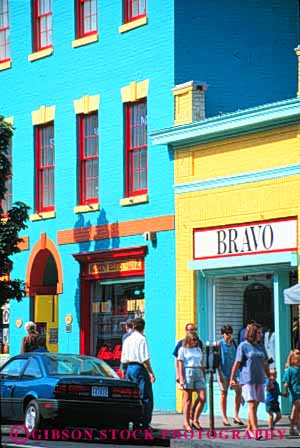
x=229 y=125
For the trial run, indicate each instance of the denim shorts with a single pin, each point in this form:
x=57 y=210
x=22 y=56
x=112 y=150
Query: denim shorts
x=193 y=378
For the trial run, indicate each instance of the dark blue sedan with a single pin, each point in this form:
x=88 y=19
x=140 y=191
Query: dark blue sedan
x=41 y=389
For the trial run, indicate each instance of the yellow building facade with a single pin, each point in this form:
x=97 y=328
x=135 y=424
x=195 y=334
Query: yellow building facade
x=237 y=202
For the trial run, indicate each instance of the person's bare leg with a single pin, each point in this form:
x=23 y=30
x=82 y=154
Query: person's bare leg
x=223 y=405
x=237 y=402
x=187 y=394
x=200 y=406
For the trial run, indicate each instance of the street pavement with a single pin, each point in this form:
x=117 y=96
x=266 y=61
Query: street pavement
x=167 y=431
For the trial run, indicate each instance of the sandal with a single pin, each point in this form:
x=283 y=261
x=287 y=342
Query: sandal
x=196 y=425
x=238 y=422
x=187 y=427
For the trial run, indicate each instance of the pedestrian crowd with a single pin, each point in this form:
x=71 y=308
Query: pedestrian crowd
x=242 y=367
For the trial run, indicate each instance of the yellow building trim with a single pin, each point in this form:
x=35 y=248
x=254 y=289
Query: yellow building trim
x=87 y=104
x=134 y=24
x=86 y=208
x=132 y=200
x=9 y=120
x=40 y=54
x=254 y=152
x=85 y=40
x=5 y=65
x=43 y=115
x=42 y=215
x=135 y=91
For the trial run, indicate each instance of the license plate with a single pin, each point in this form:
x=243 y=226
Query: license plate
x=99 y=391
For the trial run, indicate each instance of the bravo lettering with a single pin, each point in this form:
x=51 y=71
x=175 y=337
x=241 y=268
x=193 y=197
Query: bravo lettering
x=248 y=239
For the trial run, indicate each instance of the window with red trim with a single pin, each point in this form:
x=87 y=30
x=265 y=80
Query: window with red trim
x=42 y=24
x=7 y=201
x=86 y=16
x=88 y=168
x=134 y=9
x=136 y=148
x=4 y=31
x=44 y=138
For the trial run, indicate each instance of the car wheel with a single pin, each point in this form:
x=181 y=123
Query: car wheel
x=32 y=417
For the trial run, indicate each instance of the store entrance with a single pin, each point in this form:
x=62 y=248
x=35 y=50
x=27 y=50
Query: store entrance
x=259 y=305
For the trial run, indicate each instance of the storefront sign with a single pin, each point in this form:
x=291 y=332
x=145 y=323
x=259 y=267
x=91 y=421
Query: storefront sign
x=244 y=239
x=106 y=267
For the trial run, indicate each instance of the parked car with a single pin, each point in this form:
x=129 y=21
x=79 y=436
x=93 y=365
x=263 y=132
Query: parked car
x=41 y=389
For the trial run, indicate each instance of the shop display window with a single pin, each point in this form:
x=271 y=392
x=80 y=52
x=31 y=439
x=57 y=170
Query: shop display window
x=111 y=306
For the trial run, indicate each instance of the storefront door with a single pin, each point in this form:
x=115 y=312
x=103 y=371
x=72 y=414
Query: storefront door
x=46 y=318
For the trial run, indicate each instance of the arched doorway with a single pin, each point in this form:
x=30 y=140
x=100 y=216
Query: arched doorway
x=44 y=283
x=258 y=305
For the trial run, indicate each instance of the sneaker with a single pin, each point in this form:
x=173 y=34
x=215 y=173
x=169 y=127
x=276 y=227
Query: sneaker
x=293 y=432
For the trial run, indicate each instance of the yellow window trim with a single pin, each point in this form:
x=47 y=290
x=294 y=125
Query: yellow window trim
x=132 y=200
x=42 y=215
x=86 y=104
x=40 y=54
x=85 y=40
x=86 y=208
x=135 y=91
x=133 y=24
x=43 y=115
x=5 y=65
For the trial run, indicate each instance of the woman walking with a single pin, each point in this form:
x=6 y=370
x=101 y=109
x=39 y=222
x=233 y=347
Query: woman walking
x=252 y=360
x=191 y=379
x=227 y=349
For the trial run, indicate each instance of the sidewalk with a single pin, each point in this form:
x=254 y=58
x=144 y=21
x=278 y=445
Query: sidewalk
x=171 y=425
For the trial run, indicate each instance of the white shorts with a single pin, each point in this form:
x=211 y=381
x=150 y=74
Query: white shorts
x=254 y=392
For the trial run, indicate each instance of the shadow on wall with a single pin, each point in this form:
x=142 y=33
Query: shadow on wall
x=104 y=238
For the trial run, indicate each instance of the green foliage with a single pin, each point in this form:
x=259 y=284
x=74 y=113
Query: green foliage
x=10 y=226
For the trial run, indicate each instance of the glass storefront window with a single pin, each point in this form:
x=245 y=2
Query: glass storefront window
x=111 y=306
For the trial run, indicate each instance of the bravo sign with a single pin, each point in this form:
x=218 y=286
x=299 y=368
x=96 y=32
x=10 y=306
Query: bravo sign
x=244 y=239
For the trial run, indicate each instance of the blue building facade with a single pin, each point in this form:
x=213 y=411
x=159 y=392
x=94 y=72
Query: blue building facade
x=89 y=265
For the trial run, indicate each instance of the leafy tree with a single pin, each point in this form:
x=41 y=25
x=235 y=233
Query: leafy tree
x=10 y=226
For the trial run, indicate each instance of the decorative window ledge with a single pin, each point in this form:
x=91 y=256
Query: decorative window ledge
x=85 y=40
x=133 y=24
x=5 y=65
x=42 y=215
x=132 y=200
x=87 y=208
x=40 y=54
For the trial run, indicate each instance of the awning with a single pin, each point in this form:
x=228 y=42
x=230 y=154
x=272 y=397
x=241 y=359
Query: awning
x=292 y=295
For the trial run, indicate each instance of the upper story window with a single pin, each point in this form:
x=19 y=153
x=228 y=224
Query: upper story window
x=42 y=24
x=134 y=9
x=7 y=201
x=136 y=147
x=4 y=31
x=88 y=162
x=44 y=143
x=86 y=13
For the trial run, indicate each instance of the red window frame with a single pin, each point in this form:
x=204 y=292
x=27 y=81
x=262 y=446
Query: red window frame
x=88 y=161
x=6 y=203
x=85 y=16
x=136 y=148
x=4 y=31
x=45 y=165
x=134 y=9
x=42 y=24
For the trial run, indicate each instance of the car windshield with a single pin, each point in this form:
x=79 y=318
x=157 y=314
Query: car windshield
x=77 y=365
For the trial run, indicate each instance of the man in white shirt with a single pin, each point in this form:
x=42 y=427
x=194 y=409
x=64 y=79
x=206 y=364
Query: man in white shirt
x=135 y=353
